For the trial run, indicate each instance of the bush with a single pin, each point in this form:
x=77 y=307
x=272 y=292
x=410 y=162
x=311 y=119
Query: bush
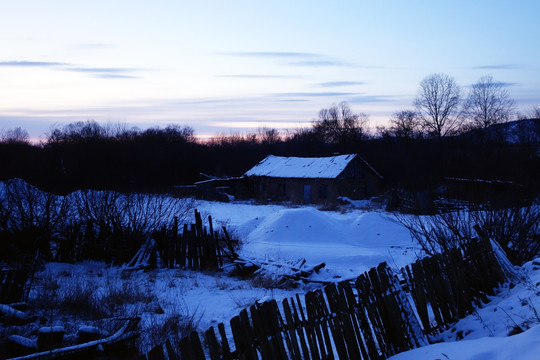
x=517 y=230
x=85 y=225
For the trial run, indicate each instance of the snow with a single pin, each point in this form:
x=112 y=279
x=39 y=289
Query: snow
x=298 y=167
x=349 y=242
x=485 y=333
x=524 y=346
x=354 y=241
x=51 y=329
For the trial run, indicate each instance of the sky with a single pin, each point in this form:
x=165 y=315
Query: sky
x=237 y=66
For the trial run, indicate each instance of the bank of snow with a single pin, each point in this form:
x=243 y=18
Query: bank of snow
x=348 y=243
x=352 y=242
x=524 y=346
x=485 y=334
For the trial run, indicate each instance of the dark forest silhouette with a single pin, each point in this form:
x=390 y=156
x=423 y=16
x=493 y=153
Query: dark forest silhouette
x=86 y=155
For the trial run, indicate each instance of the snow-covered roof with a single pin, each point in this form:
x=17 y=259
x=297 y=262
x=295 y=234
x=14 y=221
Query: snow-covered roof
x=301 y=167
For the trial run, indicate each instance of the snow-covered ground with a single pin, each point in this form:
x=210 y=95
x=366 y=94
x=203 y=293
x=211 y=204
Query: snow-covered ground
x=354 y=241
x=349 y=242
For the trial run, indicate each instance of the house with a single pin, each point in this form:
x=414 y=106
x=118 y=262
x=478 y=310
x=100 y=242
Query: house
x=317 y=180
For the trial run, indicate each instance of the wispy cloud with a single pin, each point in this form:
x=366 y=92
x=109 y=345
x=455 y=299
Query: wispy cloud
x=314 y=94
x=503 y=84
x=321 y=62
x=96 y=46
x=292 y=58
x=103 y=73
x=369 y=99
x=115 y=76
x=31 y=63
x=508 y=84
x=257 y=76
x=274 y=54
x=497 y=67
x=341 y=83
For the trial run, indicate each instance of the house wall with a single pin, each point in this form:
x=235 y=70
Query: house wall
x=355 y=182
x=295 y=190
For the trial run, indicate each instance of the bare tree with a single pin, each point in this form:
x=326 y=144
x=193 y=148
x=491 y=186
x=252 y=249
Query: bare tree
x=437 y=104
x=339 y=123
x=268 y=136
x=405 y=124
x=15 y=136
x=535 y=113
x=488 y=103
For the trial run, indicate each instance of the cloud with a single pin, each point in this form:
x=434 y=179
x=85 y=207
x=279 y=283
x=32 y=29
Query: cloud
x=508 y=84
x=31 y=63
x=292 y=58
x=257 y=76
x=314 y=94
x=116 y=76
x=322 y=62
x=274 y=54
x=361 y=99
x=105 y=73
x=496 y=67
x=341 y=83
x=96 y=46
x=503 y=84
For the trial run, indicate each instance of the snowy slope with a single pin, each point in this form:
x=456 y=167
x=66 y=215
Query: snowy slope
x=352 y=242
x=349 y=243
x=484 y=335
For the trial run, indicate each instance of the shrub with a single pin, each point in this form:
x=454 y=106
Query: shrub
x=517 y=230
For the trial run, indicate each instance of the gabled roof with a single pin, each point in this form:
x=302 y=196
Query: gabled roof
x=299 y=167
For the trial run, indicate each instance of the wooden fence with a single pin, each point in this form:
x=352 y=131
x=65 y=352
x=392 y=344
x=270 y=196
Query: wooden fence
x=12 y=285
x=197 y=247
x=370 y=319
x=451 y=283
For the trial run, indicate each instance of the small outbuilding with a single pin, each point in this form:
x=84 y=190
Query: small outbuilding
x=313 y=180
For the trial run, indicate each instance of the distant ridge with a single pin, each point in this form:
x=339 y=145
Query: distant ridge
x=525 y=131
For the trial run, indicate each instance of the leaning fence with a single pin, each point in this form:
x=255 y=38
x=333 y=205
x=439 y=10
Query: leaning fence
x=369 y=319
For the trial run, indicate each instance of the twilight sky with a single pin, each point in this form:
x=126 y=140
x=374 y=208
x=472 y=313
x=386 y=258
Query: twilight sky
x=235 y=66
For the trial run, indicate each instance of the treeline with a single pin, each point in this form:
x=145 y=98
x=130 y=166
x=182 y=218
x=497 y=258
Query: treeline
x=87 y=155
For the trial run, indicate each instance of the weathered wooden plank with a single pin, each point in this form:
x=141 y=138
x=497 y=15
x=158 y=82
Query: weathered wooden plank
x=353 y=310
x=410 y=327
x=156 y=353
x=299 y=327
x=418 y=295
x=289 y=326
x=170 y=351
x=214 y=349
x=186 y=351
x=325 y=316
x=346 y=311
x=336 y=324
x=243 y=336
x=309 y=328
x=262 y=333
x=314 y=321
x=368 y=287
x=225 y=348
x=273 y=317
x=183 y=247
x=198 y=353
